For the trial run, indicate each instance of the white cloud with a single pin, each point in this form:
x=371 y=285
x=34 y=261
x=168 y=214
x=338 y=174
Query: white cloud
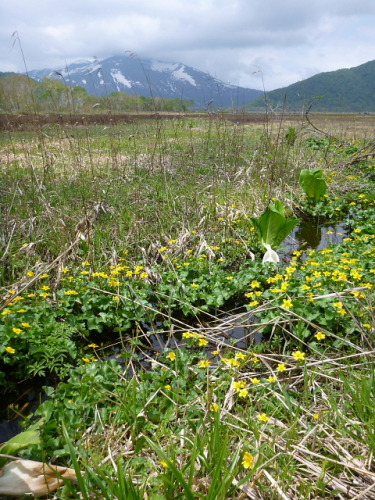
x=288 y=41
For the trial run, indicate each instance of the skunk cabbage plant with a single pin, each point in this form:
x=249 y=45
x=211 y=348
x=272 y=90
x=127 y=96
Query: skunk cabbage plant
x=272 y=228
x=313 y=183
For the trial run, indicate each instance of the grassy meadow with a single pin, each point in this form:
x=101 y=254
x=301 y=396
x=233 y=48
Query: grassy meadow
x=177 y=363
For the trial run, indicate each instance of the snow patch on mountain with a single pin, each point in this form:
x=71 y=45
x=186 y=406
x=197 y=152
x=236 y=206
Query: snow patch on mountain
x=180 y=74
x=118 y=77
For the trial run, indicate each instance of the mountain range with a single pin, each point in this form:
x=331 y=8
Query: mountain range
x=150 y=78
x=344 y=90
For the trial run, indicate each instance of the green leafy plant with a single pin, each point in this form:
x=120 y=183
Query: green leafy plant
x=272 y=227
x=313 y=183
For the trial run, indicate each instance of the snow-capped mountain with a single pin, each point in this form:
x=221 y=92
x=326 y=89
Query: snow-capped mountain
x=150 y=78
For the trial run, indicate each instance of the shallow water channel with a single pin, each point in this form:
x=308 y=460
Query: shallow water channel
x=309 y=234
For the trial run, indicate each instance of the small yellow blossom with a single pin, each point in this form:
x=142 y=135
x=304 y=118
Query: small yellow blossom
x=255 y=380
x=202 y=342
x=171 y=355
x=262 y=417
x=240 y=355
x=10 y=350
x=194 y=285
x=6 y=312
x=320 y=336
x=248 y=460
x=17 y=330
x=30 y=274
x=26 y=325
x=168 y=387
x=255 y=284
x=243 y=393
x=281 y=367
x=164 y=464
x=204 y=363
x=271 y=379
x=287 y=304
x=298 y=355
x=93 y=345
x=214 y=407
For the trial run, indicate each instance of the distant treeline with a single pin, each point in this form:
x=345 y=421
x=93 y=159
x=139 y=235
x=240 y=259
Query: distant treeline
x=20 y=94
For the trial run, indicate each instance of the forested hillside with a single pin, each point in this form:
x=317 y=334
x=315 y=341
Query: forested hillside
x=20 y=94
x=344 y=90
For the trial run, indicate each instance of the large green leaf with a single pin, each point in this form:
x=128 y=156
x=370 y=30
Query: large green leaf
x=272 y=226
x=17 y=443
x=313 y=183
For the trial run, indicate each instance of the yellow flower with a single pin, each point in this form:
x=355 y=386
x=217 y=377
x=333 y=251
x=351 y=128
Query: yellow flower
x=262 y=417
x=6 y=312
x=320 y=336
x=202 y=342
x=93 y=345
x=143 y=275
x=255 y=284
x=70 y=292
x=204 y=363
x=255 y=380
x=281 y=367
x=17 y=330
x=287 y=304
x=10 y=350
x=215 y=352
x=26 y=325
x=44 y=275
x=243 y=393
x=214 y=407
x=240 y=355
x=169 y=387
x=30 y=274
x=88 y=360
x=171 y=355
x=316 y=416
x=271 y=379
x=231 y=362
x=253 y=303
x=298 y=355
x=248 y=460
x=162 y=249
x=237 y=386
x=164 y=464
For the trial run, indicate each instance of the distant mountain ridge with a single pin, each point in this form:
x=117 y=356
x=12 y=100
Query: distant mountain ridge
x=150 y=78
x=343 y=90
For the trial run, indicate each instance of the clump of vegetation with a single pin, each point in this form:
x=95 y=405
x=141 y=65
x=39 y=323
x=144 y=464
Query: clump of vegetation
x=187 y=368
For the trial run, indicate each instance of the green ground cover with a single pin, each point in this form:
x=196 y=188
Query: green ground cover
x=136 y=244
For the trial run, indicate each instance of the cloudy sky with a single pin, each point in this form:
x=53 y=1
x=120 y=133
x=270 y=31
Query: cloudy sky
x=252 y=43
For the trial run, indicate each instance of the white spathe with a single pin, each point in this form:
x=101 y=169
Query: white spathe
x=270 y=255
x=24 y=477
